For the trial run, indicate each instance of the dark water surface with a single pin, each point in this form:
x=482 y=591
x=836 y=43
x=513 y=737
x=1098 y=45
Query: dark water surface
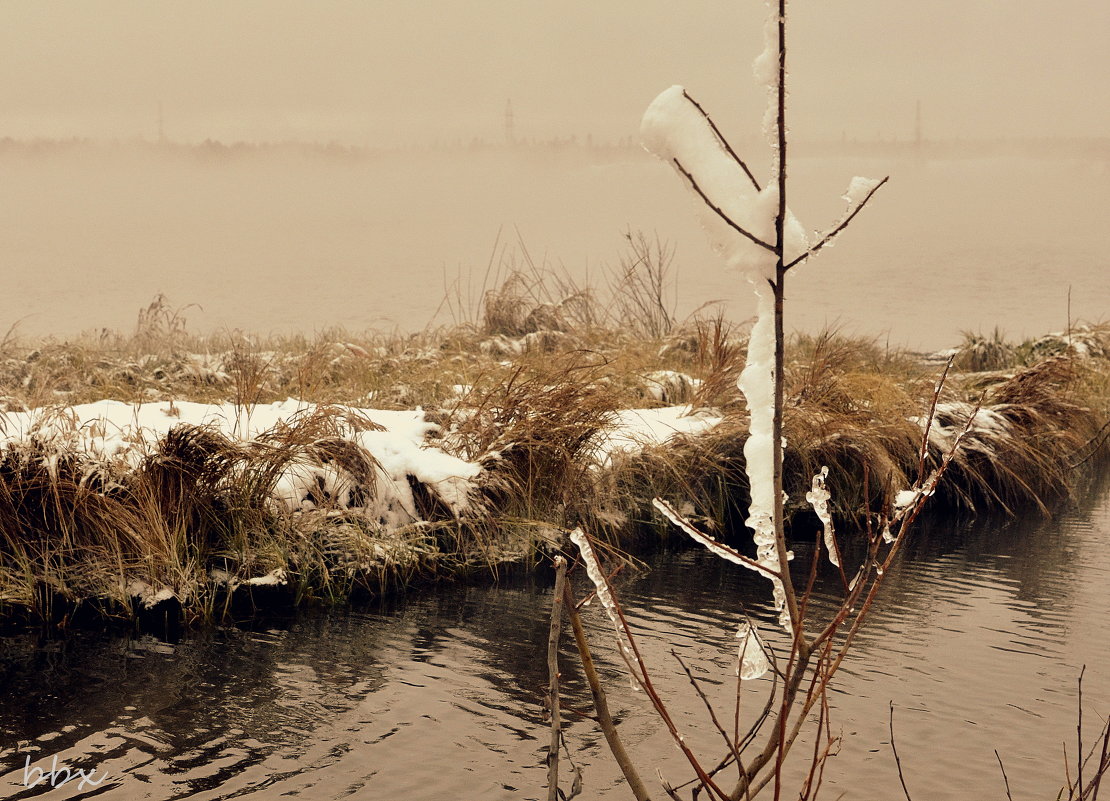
x=978 y=640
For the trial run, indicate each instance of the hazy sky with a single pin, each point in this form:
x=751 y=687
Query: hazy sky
x=389 y=71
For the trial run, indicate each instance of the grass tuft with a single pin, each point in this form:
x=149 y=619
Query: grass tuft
x=209 y=521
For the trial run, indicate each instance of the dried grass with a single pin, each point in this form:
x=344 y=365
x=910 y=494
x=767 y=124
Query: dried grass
x=77 y=530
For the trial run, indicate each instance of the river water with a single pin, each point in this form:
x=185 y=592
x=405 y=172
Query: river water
x=978 y=640
x=278 y=241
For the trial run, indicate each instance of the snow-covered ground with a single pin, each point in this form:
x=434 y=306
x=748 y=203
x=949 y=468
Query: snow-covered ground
x=402 y=445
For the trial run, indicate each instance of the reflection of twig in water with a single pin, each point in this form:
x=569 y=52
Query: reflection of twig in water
x=897 y=760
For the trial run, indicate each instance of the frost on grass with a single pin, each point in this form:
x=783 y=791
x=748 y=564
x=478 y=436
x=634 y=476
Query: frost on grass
x=818 y=497
x=605 y=595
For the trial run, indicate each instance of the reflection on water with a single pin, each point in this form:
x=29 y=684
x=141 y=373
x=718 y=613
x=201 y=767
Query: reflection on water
x=978 y=640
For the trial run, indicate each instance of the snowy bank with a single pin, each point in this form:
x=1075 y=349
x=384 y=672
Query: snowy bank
x=403 y=447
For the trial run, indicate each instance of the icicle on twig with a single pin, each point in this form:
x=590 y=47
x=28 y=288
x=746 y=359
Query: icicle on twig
x=752 y=659
x=605 y=595
x=818 y=497
x=721 y=550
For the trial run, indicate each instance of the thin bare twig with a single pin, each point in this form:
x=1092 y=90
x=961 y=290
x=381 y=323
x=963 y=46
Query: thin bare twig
x=1005 y=778
x=897 y=761
x=1067 y=772
x=831 y=235
x=717 y=209
x=929 y=423
x=816 y=758
x=765 y=714
x=1079 y=760
x=576 y=783
x=709 y=707
x=1103 y=762
x=723 y=141
x=1094 y=444
x=553 y=673
x=601 y=704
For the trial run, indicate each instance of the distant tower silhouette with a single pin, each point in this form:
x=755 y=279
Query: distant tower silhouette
x=917 y=128
x=510 y=134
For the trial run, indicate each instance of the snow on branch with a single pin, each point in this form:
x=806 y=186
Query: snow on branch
x=724 y=142
x=860 y=190
x=717 y=209
x=737 y=215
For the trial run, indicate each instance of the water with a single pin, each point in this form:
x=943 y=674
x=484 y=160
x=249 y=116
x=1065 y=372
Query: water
x=978 y=639
x=279 y=241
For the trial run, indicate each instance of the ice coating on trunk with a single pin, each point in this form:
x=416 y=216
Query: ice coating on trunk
x=757 y=382
x=818 y=497
x=765 y=68
x=677 y=131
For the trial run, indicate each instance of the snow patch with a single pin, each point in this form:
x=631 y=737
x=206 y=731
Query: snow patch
x=631 y=430
x=126 y=433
